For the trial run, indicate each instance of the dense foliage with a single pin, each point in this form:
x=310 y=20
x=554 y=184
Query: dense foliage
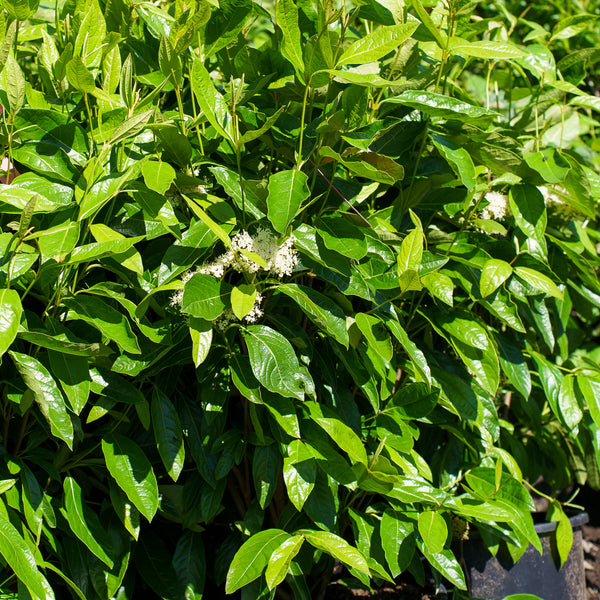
x=288 y=282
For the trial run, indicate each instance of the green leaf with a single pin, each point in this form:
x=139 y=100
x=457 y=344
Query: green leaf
x=126 y=511
x=132 y=471
x=299 y=473
x=286 y=16
x=106 y=319
x=287 y=191
x=339 y=432
x=438 y=105
x=433 y=529
x=211 y=102
x=73 y=373
x=538 y=281
x=17 y=553
x=243 y=297
x=265 y=468
x=10 y=317
x=439 y=285
x=564 y=531
x=337 y=547
x=46 y=394
x=84 y=523
x=549 y=164
x=320 y=309
x=202 y=334
x=567 y=402
x=158 y=175
x=130 y=127
x=445 y=562
x=485 y=49
x=168 y=434
x=205 y=297
x=190 y=565
x=280 y=560
x=494 y=273
x=411 y=252
x=394 y=533
x=438 y=35
x=375 y=45
x=21 y=9
x=15 y=85
x=79 y=76
x=251 y=559
x=529 y=210
x=130 y=259
x=274 y=362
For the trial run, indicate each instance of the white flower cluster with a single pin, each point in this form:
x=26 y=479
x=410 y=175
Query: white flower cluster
x=177 y=297
x=497 y=208
x=281 y=259
x=554 y=197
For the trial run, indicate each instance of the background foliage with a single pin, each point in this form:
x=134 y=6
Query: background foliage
x=283 y=283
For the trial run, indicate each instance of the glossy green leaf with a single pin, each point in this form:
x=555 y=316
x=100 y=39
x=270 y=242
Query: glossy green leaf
x=567 y=402
x=158 y=175
x=102 y=316
x=337 y=547
x=205 y=297
x=73 y=374
x=376 y=44
x=286 y=16
x=539 y=281
x=529 y=210
x=564 y=531
x=299 y=473
x=265 y=469
x=252 y=558
x=79 y=76
x=17 y=553
x=287 y=191
x=273 y=361
x=487 y=50
x=411 y=252
x=168 y=434
x=433 y=529
x=320 y=309
x=211 y=101
x=439 y=285
x=202 y=335
x=20 y=9
x=397 y=545
x=494 y=273
x=445 y=562
x=438 y=105
x=126 y=511
x=243 y=297
x=10 y=317
x=128 y=465
x=47 y=395
x=84 y=523
x=280 y=560
x=343 y=436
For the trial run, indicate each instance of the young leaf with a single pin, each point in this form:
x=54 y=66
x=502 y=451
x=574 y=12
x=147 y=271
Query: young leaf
x=377 y=44
x=280 y=560
x=132 y=471
x=168 y=434
x=411 y=252
x=494 y=273
x=243 y=297
x=287 y=191
x=335 y=546
x=433 y=530
x=46 y=394
x=252 y=558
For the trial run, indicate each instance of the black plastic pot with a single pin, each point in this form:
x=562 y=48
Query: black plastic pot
x=493 y=578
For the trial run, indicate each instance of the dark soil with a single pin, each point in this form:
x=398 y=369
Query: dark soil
x=410 y=591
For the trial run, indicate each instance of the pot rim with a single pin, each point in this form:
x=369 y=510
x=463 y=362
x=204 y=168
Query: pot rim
x=578 y=520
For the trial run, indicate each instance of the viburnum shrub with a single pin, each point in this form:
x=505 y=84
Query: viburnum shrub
x=289 y=283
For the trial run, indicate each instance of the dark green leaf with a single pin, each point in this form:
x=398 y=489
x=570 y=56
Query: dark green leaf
x=168 y=434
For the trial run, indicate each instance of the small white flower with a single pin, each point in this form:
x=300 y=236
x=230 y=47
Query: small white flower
x=497 y=208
